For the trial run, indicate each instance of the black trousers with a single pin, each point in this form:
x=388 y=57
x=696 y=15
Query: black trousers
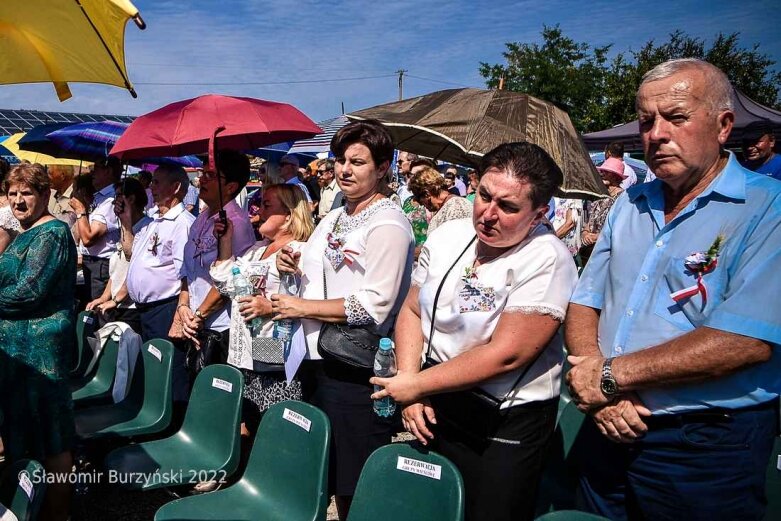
x=501 y=471
x=95 y=275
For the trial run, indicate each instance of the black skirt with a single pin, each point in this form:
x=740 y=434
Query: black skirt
x=344 y=394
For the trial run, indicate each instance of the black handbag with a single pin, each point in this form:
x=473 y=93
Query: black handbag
x=213 y=350
x=351 y=345
x=472 y=411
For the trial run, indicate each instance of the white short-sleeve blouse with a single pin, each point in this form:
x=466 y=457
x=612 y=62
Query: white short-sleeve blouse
x=535 y=277
x=374 y=277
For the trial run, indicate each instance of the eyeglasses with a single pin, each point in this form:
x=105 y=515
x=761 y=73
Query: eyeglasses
x=208 y=175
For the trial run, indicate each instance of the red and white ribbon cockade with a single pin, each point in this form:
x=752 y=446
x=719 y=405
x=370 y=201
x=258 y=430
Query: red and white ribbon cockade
x=346 y=254
x=700 y=263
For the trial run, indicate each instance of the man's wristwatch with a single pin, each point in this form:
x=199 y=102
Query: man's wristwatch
x=608 y=384
x=199 y=314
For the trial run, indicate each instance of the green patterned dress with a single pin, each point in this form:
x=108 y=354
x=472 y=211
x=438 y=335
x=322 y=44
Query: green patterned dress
x=37 y=317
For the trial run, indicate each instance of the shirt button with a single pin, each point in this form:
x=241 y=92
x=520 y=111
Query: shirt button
x=659 y=244
x=630 y=313
x=619 y=350
x=644 y=277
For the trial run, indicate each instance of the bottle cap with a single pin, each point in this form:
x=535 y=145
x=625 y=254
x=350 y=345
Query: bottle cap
x=386 y=344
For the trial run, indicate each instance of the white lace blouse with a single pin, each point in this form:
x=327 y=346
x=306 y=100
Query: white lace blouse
x=264 y=276
x=536 y=277
x=367 y=258
x=8 y=222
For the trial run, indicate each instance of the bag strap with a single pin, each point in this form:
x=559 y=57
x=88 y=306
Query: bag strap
x=434 y=314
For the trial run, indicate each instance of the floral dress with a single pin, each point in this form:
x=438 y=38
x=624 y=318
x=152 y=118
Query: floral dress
x=37 y=317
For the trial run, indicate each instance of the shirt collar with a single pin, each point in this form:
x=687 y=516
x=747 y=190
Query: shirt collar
x=171 y=214
x=106 y=191
x=730 y=183
x=230 y=207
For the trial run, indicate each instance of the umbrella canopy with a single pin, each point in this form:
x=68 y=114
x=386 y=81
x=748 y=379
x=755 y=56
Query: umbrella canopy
x=186 y=127
x=7 y=154
x=746 y=111
x=35 y=140
x=64 y=40
x=94 y=140
x=321 y=143
x=461 y=125
x=12 y=144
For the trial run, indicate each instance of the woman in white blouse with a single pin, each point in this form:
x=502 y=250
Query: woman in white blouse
x=363 y=253
x=488 y=297
x=284 y=221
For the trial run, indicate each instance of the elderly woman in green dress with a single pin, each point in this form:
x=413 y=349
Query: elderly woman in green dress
x=37 y=318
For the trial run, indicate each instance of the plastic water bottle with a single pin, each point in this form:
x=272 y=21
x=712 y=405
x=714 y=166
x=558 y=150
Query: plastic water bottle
x=384 y=367
x=283 y=329
x=243 y=288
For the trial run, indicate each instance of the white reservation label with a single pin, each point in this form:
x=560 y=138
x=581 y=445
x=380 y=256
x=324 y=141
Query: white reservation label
x=88 y=319
x=778 y=463
x=419 y=467
x=222 y=384
x=26 y=484
x=299 y=419
x=155 y=352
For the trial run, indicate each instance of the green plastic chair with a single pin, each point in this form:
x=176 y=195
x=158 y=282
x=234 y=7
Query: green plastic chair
x=773 y=484
x=570 y=515
x=12 y=491
x=386 y=492
x=560 y=477
x=148 y=406
x=286 y=476
x=86 y=323
x=96 y=390
x=205 y=448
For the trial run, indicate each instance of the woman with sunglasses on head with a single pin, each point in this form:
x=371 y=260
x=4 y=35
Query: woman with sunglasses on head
x=430 y=189
x=355 y=272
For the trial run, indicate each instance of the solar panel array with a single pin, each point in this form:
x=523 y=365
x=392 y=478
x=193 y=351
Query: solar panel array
x=14 y=121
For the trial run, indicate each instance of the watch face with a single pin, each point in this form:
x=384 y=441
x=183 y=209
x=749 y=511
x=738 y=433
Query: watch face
x=609 y=386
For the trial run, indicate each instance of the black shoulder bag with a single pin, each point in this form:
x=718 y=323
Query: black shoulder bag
x=472 y=411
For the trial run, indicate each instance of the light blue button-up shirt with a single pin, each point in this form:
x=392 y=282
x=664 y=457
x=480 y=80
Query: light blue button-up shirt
x=638 y=262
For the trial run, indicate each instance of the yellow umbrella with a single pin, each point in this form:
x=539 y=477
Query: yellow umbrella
x=65 y=40
x=12 y=144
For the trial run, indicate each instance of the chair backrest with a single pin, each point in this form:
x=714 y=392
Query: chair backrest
x=289 y=461
x=86 y=323
x=107 y=364
x=156 y=368
x=570 y=515
x=22 y=489
x=401 y=482
x=773 y=483
x=214 y=414
x=559 y=477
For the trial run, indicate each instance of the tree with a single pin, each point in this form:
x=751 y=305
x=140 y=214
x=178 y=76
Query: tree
x=597 y=93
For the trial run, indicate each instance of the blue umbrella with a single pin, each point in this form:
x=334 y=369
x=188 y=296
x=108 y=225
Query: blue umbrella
x=35 y=140
x=273 y=153
x=94 y=140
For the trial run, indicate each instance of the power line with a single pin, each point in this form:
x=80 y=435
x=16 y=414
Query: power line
x=436 y=81
x=284 y=82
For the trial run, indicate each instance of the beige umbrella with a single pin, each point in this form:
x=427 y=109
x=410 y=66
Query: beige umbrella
x=461 y=125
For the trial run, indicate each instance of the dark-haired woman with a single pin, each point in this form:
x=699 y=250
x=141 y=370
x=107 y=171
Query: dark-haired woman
x=37 y=316
x=355 y=270
x=488 y=297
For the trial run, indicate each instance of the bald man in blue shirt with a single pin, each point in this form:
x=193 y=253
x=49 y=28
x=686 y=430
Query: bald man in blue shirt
x=673 y=330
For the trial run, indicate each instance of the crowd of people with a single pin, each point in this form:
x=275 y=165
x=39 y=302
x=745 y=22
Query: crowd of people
x=663 y=289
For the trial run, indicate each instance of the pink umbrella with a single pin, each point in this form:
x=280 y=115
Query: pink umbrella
x=193 y=126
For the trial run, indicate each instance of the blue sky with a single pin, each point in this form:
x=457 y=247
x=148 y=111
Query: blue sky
x=245 y=41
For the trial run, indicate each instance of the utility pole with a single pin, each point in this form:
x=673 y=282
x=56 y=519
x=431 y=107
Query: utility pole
x=401 y=72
